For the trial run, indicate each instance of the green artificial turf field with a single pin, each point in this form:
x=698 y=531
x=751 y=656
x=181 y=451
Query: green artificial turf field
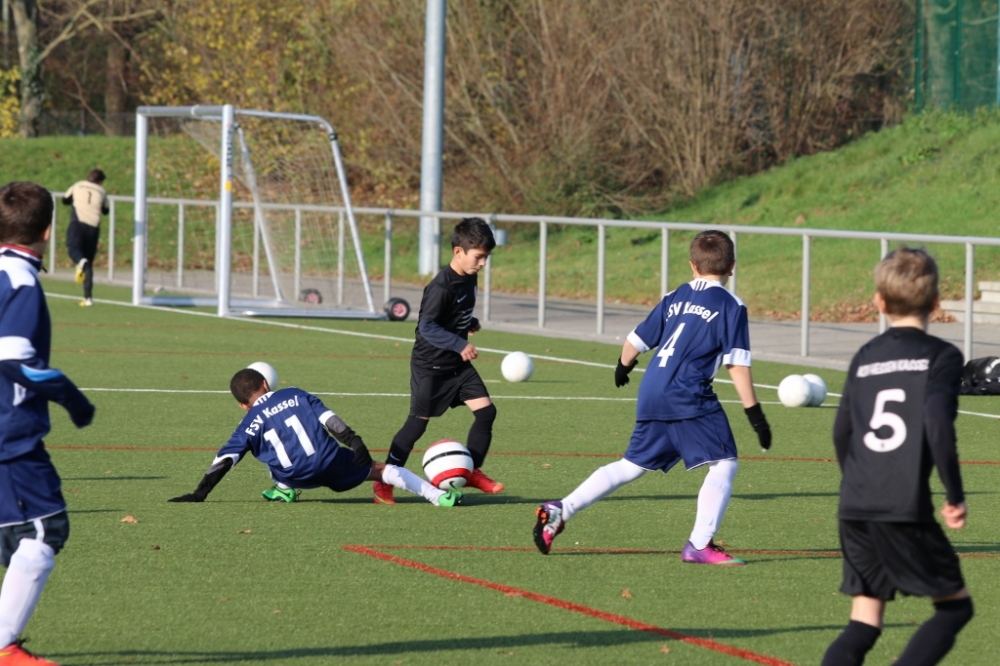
x=238 y=580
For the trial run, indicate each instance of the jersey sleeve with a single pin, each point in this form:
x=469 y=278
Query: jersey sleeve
x=239 y=444
x=647 y=335
x=940 y=411
x=842 y=425
x=736 y=338
x=321 y=411
x=433 y=306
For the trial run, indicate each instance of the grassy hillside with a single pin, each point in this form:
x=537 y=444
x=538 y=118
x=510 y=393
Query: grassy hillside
x=936 y=173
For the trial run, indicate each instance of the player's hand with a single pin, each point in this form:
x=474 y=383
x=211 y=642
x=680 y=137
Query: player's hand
x=83 y=415
x=469 y=353
x=474 y=327
x=954 y=515
x=621 y=372
x=759 y=424
x=190 y=497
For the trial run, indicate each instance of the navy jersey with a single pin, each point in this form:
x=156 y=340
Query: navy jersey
x=444 y=322
x=695 y=328
x=284 y=430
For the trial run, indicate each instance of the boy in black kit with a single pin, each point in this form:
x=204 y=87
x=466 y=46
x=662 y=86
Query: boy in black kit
x=441 y=372
x=896 y=421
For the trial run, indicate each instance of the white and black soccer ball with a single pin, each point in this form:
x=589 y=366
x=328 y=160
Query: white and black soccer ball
x=795 y=391
x=447 y=464
x=270 y=374
x=517 y=367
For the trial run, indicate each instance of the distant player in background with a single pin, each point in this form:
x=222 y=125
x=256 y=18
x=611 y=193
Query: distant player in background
x=896 y=421
x=696 y=328
x=89 y=201
x=34 y=525
x=441 y=372
x=289 y=431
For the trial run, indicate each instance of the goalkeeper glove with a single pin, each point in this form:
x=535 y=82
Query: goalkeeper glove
x=621 y=372
x=760 y=426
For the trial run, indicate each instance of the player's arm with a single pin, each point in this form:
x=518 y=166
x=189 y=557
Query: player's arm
x=436 y=334
x=743 y=381
x=343 y=434
x=20 y=364
x=437 y=301
x=105 y=206
x=626 y=362
x=940 y=412
x=68 y=198
x=220 y=466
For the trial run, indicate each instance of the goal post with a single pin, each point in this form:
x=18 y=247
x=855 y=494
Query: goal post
x=288 y=182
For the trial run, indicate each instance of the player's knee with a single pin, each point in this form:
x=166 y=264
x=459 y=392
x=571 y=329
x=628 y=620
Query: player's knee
x=622 y=471
x=34 y=557
x=412 y=430
x=486 y=415
x=954 y=614
x=724 y=471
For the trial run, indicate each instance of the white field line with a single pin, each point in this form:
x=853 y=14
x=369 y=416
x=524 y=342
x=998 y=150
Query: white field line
x=376 y=336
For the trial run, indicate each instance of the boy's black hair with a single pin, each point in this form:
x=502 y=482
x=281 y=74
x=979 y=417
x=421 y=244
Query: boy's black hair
x=245 y=383
x=96 y=176
x=25 y=213
x=473 y=232
x=713 y=253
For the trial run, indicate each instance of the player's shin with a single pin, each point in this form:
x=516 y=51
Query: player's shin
x=402 y=444
x=29 y=569
x=852 y=645
x=713 y=498
x=602 y=482
x=404 y=479
x=481 y=434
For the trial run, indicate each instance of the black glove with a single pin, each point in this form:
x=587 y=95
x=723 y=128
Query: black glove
x=759 y=424
x=621 y=372
x=81 y=412
x=190 y=497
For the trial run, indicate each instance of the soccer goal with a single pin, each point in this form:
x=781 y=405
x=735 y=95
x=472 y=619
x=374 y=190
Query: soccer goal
x=247 y=211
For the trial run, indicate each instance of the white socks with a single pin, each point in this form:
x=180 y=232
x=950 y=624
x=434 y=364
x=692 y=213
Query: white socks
x=602 y=482
x=402 y=478
x=713 y=500
x=22 y=586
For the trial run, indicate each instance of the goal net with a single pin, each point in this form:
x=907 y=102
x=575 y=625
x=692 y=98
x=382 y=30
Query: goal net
x=248 y=211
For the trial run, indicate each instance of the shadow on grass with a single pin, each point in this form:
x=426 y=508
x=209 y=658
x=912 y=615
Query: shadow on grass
x=113 y=478
x=572 y=639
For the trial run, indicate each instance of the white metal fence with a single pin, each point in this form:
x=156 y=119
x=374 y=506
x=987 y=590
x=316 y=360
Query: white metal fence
x=601 y=225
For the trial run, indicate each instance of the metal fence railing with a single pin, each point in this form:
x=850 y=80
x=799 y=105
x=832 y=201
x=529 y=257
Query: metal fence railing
x=601 y=225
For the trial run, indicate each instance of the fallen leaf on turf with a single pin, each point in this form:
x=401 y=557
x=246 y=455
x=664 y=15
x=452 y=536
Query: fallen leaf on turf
x=277 y=612
x=626 y=594
x=664 y=649
x=245 y=532
x=130 y=519
x=156 y=546
x=547 y=465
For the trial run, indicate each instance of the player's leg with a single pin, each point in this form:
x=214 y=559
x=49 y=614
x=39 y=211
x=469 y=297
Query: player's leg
x=74 y=247
x=472 y=392
x=88 y=242
x=551 y=517
x=935 y=637
x=28 y=551
x=422 y=403
x=860 y=635
x=404 y=479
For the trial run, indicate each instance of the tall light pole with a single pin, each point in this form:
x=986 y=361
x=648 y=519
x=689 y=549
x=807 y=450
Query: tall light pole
x=433 y=136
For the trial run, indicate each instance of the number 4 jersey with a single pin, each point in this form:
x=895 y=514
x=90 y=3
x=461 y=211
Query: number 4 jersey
x=695 y=328
x=284 y=430
x=896 y=420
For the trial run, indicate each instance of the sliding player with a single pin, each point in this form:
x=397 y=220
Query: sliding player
x=289 y=431
x=697 y=327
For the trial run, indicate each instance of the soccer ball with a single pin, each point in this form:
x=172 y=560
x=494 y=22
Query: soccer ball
x=795 y=391
x=447 y=464
x=817 y=390
x=517 y=367
x=270 y=374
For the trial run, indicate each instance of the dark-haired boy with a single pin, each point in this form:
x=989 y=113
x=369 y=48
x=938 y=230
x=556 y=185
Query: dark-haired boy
x=289 y=431
x=441 y=371
x=895 y=423
x=697 y=328
x=89 y=201
x=34 y=525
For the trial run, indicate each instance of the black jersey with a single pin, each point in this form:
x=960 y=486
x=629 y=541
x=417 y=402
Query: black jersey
x=896 y=421
x=444 y=321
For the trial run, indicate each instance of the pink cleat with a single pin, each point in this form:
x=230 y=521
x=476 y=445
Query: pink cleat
x=710 y=554
x=548 y=525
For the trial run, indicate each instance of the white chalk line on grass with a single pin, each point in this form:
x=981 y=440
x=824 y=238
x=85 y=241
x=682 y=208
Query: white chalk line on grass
x=377 y=336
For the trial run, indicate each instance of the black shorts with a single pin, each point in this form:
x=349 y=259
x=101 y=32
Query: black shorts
x=432 y=393
x=53 y=530
x=81 y=241
x=881 y=559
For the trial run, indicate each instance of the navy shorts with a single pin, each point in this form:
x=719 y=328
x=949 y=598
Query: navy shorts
x=52 y=530
x=881 y=559
x=661 y=444
x=29 y=488
x=339 y=475
x=432 y=393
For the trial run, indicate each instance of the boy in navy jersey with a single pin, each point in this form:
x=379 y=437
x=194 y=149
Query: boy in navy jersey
x=696 y=328
x=441 y=372
x=895 y=423
x=33 y=521
x=289 y=431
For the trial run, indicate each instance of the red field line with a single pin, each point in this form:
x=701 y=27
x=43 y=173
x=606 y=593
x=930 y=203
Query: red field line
x=576 y=608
